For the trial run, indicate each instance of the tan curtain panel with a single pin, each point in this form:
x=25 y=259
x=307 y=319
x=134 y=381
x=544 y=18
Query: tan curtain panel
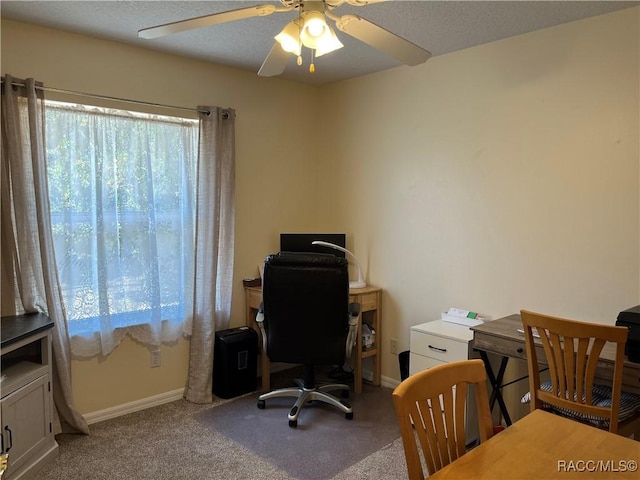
x=29 y=273
x=214 y=245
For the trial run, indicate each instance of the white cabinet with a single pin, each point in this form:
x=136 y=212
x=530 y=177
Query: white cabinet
x=437 y=342
x=27 y=401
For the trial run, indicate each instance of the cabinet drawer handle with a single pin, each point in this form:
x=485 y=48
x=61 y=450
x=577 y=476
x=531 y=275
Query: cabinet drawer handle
x=443 y=350
x=10 y=439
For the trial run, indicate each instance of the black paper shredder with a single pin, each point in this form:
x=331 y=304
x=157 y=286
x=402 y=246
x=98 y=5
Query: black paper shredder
x=235 y=358
x=630 y=318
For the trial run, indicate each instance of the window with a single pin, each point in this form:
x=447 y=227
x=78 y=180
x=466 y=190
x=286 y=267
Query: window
x=121 y=189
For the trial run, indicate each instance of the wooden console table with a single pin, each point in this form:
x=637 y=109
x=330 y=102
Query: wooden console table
x=370 y=300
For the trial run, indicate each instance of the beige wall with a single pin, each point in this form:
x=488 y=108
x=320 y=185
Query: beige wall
x=501 y=177
x=275 y=163
x=496 y=178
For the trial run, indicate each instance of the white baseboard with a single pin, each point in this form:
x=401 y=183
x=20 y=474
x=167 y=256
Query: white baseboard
x=384 y=381
x=389 y=382
x=135 y=406
x=166 y=397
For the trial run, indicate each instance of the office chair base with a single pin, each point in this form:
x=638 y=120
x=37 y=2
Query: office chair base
x=305 y=395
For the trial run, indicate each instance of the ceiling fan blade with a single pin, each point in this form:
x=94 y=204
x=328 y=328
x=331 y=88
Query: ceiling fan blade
x=383 y=40
x=207 y=20
x=363 y=3
x=275 y=63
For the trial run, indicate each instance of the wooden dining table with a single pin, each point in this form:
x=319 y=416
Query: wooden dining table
x=542 y=445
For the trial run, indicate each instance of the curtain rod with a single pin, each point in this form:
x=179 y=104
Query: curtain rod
x=106 y=97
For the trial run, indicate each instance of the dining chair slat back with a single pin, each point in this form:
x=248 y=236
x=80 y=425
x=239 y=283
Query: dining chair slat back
x=573 y=350
x=430 y=407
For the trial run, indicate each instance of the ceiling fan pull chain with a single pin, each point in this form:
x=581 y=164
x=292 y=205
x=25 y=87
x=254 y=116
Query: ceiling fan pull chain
x=299 y=59
x=312 y=67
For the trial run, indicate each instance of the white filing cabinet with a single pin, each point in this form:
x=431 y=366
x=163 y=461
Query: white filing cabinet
x=437 y=342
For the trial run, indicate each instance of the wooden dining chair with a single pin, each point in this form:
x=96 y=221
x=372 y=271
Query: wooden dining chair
x=572 y=350
x=430 y=406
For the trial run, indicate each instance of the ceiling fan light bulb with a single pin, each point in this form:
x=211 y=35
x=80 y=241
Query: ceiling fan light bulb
x=316 y=27
x=290 y=45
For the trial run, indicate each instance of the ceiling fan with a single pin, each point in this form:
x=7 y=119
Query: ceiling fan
x=309 y=29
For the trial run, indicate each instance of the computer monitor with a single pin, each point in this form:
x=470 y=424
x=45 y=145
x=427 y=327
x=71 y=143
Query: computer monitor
x=301 y=242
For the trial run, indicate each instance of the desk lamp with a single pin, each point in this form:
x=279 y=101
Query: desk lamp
x=360 y=283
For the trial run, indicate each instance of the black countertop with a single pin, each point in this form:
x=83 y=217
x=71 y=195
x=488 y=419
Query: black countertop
x=16 y=327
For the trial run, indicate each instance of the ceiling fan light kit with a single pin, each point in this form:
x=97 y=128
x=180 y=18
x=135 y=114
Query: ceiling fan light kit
x=310 y=29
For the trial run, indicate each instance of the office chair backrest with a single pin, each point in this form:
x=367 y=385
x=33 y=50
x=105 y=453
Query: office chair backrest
x=430 y=406
x=306 y=305
x=572 y=350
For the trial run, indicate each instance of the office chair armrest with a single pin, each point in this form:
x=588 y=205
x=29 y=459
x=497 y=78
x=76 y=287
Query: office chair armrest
x=354 y=320
x=354 y=310
x=260 y=322
x=260 y=314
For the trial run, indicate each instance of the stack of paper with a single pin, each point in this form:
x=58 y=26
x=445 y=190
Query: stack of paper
x=462 y=317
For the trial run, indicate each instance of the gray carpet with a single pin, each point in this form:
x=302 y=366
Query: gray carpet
x=170 y=442
x=324 y=442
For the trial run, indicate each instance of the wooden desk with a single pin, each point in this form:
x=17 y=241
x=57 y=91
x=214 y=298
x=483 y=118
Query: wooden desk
x=370 y=300
x=543 y=446
x=501 y=337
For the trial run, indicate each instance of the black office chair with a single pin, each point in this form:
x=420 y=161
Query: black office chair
x=305 y=318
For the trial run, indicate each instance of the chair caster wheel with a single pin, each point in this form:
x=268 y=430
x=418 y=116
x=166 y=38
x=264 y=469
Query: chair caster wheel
x=345 y=393
x=261 y=404
x=348 y=416
x=293 y=423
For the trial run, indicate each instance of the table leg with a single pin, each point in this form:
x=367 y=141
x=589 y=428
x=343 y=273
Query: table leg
x=266 y=372
x=357 y=377
x=496 y=384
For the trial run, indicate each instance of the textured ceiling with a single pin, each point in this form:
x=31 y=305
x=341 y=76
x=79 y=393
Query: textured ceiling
x=438 y=26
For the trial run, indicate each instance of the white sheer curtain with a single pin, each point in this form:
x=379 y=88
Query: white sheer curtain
x=213 y=278
x=123 y=223
x=29 y=277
